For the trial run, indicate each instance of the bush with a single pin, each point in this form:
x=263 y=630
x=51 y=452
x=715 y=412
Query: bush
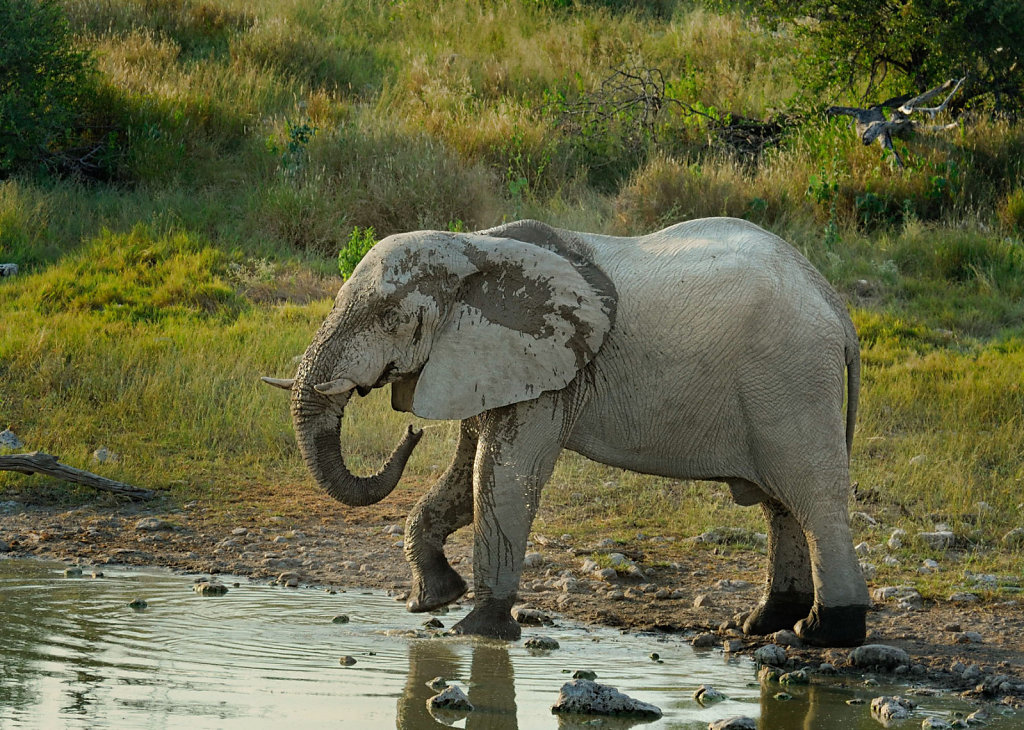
x=45 y=84
x=360 y=241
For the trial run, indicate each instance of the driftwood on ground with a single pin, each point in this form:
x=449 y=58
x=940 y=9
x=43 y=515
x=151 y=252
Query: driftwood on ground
x=37 y=461
x=871 y=123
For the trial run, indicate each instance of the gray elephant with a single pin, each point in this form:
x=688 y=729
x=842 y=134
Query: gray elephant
x=709 y=350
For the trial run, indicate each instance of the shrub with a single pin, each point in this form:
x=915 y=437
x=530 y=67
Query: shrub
x=360 y=241
x=45 y=84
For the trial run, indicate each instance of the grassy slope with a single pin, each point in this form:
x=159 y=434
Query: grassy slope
x=259 y=133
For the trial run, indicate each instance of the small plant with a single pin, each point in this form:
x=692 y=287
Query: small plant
x=360 y=241
x=293 y=152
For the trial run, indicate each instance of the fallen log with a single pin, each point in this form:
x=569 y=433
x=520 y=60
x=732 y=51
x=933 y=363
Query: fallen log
x=871 y=123
x=38 y=462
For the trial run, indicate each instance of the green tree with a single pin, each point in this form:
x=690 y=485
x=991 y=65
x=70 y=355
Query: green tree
x=45 y=83
x=876 y=47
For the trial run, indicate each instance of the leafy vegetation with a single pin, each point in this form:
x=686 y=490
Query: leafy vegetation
x=878 y=48
x=45 y=84
x=259 y=148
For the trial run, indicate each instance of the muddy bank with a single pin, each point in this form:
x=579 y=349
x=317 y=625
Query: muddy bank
x=976 y=648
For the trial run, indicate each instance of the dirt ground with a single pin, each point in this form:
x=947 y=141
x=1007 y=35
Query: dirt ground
x=329 y=545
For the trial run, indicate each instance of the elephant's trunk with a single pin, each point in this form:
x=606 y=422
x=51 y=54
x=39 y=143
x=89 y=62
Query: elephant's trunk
x=317 y=422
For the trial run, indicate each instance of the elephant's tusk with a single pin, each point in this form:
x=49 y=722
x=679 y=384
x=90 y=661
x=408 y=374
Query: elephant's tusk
x=285 y=383
x=335 y=387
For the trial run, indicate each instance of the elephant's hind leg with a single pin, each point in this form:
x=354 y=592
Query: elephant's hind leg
x=440 y=512
x=789 y=593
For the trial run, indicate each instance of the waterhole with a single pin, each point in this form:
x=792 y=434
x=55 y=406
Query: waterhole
x=73 y=654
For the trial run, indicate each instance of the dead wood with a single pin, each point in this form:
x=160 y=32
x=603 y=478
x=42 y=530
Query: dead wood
x=871 y=123
x=37 y=461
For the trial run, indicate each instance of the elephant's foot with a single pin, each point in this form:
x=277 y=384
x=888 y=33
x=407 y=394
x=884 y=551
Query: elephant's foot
x=435 y=589
x=833 y=626
x=492 y=619
x=778 y=611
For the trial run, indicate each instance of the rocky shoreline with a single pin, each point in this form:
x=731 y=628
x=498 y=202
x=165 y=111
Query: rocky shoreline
x=973 y=648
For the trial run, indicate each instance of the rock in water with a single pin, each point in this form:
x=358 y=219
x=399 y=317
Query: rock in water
x=541 y=643
x=737 y=722
x=586 y=697
x=706 y=694
x=206 y=588
x=887 y=709
x=451 y=698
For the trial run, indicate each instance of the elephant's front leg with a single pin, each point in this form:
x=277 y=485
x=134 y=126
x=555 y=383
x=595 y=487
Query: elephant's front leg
x=518 y=448
x=440 y=512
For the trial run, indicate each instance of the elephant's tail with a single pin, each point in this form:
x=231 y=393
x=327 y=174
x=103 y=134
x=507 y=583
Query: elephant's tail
x=852 y=352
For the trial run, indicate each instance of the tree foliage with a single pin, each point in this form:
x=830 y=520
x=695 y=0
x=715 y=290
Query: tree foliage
x=875 y=47
x=45 y=83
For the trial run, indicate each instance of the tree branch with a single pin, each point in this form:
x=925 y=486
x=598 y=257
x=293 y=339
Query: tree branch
x=37 y=461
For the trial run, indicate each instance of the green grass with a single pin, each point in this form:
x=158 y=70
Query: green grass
x=255 y=137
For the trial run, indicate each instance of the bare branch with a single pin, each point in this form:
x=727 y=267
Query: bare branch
x=871 y=124
x=911 y=106
x=37 y=461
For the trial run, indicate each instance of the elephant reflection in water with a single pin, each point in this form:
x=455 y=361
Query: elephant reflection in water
x=812 y=707
x=491 y=686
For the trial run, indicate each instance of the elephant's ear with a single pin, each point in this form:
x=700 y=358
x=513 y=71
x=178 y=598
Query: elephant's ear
x=525 y=320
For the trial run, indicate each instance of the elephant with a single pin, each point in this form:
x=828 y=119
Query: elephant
x=709 y=350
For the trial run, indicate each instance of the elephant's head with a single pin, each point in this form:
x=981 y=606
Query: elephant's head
x=458 y=323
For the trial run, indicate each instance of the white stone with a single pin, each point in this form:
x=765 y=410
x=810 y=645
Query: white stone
x=863 y=517
x=895 y=541
x=451 y=698
x=785 y=637
x=8 y=440
x=770 y=654
x=103 y=455
x=584 y=696
x=938 y=540
x=887 y=709
x=533 y=560
x=153 y=524
x=878 y=655
x=862 y=549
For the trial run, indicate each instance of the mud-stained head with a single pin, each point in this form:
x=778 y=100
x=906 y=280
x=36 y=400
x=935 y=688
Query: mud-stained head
x=509 y=319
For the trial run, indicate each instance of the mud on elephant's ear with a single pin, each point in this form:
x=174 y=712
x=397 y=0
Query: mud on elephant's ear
x=525 y=320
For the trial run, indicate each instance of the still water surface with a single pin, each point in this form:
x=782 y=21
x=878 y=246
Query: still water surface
x=74 y=655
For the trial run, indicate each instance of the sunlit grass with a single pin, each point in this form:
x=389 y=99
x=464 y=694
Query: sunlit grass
x=256 y=135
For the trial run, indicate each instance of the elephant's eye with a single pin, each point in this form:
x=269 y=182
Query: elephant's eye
x=390 y=320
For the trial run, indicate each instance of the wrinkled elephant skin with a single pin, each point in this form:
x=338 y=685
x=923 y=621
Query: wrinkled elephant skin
x=709 y=350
